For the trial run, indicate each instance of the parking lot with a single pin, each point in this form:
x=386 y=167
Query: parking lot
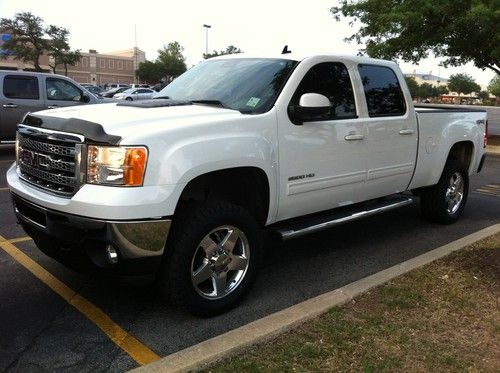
x=55 y=319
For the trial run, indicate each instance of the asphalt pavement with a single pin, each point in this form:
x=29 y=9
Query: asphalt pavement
x=39 y=331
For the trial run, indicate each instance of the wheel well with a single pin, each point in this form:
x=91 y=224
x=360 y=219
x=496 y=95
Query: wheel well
x=247 y=187
x=462 y=151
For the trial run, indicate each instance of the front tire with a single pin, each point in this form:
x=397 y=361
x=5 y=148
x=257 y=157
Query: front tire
x=444 y=202
x=211 y=257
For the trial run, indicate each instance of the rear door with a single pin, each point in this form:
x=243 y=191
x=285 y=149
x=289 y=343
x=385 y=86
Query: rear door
x=61 y=92
x=392 y=136
x=19 y=95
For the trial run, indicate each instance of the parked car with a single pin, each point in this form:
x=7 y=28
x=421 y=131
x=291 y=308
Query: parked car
x=94 y=89
x=184 y=186
x=116 y=85
x=113 y=91
x=22 y=92
x=140 y=86
x=135 y=94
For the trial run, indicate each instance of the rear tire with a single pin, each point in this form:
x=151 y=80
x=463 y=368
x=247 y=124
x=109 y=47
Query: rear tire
x=211 y=257
x=444 y=202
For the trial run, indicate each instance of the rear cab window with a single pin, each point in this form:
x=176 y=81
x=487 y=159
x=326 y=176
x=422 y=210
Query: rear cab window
x=21 y=87
x=383 y=93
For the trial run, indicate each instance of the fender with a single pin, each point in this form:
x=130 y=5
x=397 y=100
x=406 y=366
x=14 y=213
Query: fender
x=436 y=141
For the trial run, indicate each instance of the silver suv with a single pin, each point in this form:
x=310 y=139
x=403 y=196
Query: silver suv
x=22 y=92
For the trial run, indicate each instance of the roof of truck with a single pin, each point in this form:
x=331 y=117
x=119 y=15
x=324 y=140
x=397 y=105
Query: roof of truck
x=298 y=56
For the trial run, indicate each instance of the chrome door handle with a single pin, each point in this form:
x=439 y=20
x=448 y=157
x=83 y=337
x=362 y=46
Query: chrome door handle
x=353 y=137
x=406 y=132
x=9 y=106
x=52 y=106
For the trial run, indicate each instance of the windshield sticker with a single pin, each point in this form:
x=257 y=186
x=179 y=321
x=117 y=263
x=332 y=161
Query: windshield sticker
x=253 y=101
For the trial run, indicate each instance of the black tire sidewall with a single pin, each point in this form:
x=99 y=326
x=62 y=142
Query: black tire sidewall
x=187 y=233
x=434 y=203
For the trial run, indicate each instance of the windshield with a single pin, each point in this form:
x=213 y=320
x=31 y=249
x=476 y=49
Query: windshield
x=249 y=85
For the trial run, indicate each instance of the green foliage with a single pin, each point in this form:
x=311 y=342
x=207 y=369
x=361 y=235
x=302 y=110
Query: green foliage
x=412 y=85
x=59 y=48
x=461 y=31
x=424 y=90
x=27 y=42
x=483 y=95
x=494 y=86
x=463 y=83
x=171 y=59
x=150 y=72
x=31 y=39
x=231 y=49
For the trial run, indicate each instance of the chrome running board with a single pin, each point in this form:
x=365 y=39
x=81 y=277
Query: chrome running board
x=309 y=225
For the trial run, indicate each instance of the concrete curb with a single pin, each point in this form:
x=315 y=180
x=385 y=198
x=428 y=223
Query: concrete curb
x=490 y=149
x=265 y=328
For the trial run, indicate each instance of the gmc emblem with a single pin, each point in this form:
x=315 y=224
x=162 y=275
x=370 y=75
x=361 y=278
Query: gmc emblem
x=34 y=159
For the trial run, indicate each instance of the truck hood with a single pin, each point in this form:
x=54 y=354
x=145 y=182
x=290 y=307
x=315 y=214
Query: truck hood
x=127 y=121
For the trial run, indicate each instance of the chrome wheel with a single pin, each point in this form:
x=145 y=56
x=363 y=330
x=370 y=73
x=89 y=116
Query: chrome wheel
x=220 y=262
x=454 y=193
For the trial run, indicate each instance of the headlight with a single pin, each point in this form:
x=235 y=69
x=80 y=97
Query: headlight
x=110 y=165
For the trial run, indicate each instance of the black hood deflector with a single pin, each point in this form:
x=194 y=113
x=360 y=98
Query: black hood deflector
x=93 y=132
x=156 y=102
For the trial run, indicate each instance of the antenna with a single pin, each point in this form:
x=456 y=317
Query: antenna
x=285 y=50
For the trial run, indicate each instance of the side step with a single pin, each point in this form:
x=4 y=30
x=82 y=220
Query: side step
x=315 y=223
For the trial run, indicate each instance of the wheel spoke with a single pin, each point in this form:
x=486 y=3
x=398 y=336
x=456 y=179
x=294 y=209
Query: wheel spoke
x=208 y=245
x=238 y=263
x=451 y=203
x=219 y=283
x=202 y=274
x=229 y=242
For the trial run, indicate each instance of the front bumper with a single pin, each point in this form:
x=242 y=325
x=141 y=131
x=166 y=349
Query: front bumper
x=122 y=247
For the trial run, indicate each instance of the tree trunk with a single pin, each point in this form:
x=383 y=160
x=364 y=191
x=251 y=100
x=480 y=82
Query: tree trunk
x=65 y=69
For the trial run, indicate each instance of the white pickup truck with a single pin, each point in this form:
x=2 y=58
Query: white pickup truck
x=184 y=185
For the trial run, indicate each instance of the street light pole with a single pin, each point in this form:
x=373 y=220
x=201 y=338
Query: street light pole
x=206 y=37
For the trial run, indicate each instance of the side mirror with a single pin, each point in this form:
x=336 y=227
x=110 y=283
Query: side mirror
x=85 y=99
x=312 y=106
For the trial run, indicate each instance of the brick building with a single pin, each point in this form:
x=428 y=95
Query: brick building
x=106 y=68
x=93 y=67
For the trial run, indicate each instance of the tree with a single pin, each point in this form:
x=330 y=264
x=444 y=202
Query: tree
x=463 y=83
x=231 y=49
x=59 y=48
x=150 y=72
x=171 y=59
x=412 y=86
x=461 y=31
x=425 y=90
x=27 y=43
x=483 y=95
x=494 y=86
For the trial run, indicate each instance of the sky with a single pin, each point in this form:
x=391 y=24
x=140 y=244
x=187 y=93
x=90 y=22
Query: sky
x=255 y=26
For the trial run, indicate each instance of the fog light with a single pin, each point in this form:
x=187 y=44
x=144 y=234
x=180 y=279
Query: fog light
x=111 y=254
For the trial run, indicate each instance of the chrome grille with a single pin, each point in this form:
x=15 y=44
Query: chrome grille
x=49 y=161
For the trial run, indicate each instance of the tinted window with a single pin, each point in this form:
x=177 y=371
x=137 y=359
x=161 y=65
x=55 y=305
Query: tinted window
x=144 y=91
x=58 y=89
x=23 y=87
x=382 y=91
x=250 y=85
x=330 y=79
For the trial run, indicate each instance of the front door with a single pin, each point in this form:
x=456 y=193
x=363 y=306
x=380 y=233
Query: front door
x=322 y=161
x=60 y=92
x=20 y=94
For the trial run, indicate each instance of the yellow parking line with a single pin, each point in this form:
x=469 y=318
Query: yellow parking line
x=132 y=346
x=1 y=189
x=20 y=239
